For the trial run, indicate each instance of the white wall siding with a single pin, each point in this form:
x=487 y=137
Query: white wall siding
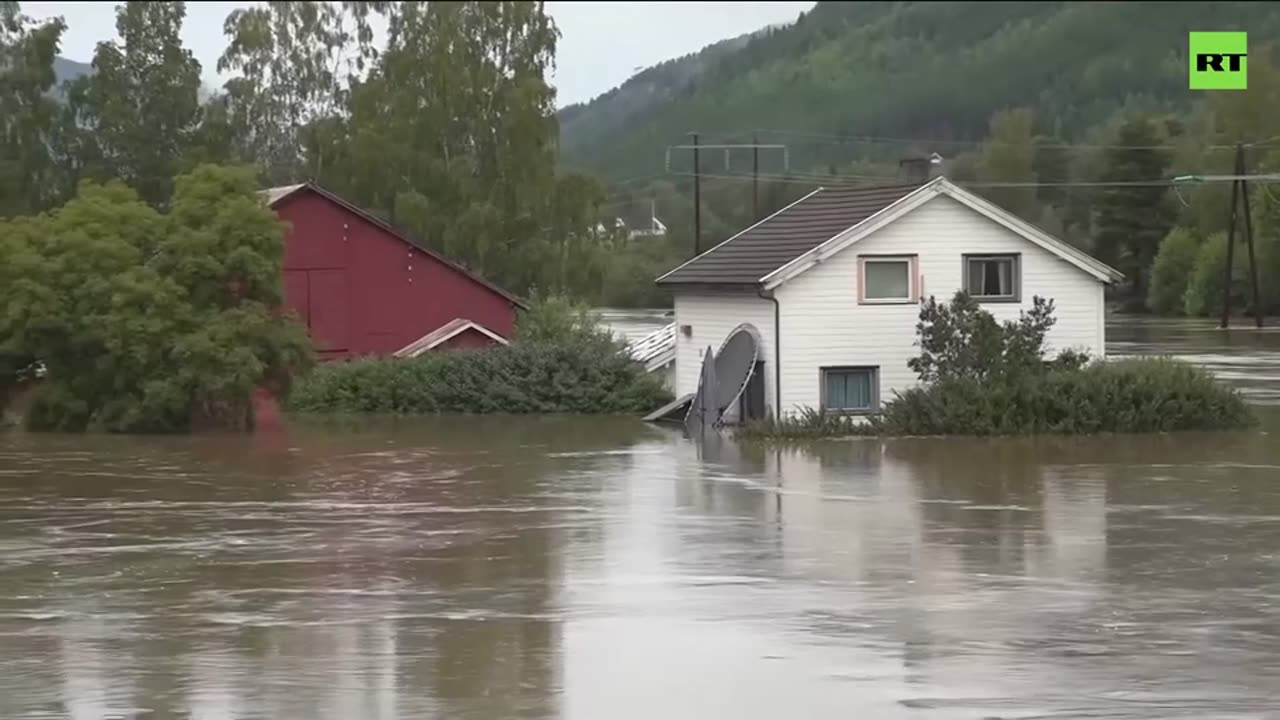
x=823 y=324
x=711 y=317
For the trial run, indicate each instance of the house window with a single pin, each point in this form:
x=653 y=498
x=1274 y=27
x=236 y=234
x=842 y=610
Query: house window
x=993 y=277
x=887 y=279
x=850 y=390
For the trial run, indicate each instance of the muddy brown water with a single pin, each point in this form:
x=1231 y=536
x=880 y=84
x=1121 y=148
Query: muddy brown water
x=601 y=569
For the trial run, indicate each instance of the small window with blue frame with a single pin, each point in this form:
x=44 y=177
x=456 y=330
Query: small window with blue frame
x=850 y=390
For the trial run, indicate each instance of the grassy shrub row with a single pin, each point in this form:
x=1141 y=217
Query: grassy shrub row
x=522 y=378
x=807 y=424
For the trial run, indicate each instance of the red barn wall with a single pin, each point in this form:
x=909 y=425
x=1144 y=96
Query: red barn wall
x=363 y=291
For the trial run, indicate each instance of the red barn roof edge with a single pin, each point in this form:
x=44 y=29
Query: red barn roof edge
x=399 y=234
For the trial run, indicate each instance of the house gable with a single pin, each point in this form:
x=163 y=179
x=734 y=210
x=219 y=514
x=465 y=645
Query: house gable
x=939 y=187
x=822 y=325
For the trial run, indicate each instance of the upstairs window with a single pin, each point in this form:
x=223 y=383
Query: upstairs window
x=993 y=278
x=887 y=279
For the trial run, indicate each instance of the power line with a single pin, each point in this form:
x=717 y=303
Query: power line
x=836 y=180
x=880 y=140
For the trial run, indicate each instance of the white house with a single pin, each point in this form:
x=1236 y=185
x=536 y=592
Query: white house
x=833 y=283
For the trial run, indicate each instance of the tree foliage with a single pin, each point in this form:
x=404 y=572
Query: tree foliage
x=1171 y=272
x=147 y=321
x=1133 y=218
x=295 y=63
x=1009 y=156
x=134 y=118
x=29 y=174
x=961 y=340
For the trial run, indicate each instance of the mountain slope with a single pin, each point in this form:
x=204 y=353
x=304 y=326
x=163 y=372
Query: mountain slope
x=582 y=125
x=66 y=69
x=918 y=70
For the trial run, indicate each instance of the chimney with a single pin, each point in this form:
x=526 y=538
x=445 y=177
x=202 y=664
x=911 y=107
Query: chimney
x=920 y=168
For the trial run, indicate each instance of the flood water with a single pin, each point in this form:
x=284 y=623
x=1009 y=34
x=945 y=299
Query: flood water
x=597 y=569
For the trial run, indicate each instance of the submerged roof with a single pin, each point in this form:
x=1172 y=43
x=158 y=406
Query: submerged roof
x=829 y=219
x=655 y=349
x=454 y=327
x=275 y=195
x=787 y=234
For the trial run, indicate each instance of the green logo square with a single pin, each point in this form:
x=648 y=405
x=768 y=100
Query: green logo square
x=1219 y=61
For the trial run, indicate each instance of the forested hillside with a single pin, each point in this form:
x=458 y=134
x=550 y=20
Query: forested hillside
x=932 y=70
x=582 y=125
x=1075 y=116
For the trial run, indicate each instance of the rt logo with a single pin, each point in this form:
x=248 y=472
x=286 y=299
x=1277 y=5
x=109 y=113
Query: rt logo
x=1219 y=61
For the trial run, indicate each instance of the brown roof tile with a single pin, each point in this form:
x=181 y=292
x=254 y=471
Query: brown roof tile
x=782 y=237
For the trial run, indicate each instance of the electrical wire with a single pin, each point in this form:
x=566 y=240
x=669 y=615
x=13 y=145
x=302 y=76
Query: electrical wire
x=880 y=140
x=837 y=180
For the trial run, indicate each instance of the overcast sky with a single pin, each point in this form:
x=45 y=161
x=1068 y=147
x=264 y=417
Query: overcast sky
x=602 y=43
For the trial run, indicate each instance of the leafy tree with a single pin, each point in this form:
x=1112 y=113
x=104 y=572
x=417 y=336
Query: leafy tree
x=1252 y=114
x=135 y=116
x=452 y=135
x=1204 y=287
x=29 y=177
x=295 y=61
x=1132 y=219
x=150 y=322
x=1009 y=156
x=961 y=340
x=555 y=317
x=1172 y=270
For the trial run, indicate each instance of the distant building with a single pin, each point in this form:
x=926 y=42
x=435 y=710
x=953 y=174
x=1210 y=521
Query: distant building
x=637 y=224
x=364 y=288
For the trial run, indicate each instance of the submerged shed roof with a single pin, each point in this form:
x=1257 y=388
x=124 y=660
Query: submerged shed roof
x=789 y=233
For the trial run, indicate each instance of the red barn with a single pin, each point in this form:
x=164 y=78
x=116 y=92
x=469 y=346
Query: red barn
x=364 y=288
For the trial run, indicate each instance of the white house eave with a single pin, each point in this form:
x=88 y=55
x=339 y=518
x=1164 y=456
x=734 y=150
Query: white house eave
x=849 y=235
x=1082 y=260
x=735 y=235
x=913 y=200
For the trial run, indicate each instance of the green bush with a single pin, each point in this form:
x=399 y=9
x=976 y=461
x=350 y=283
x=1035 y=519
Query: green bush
x=1122 y=396
x=982 y=378
x=558 y=318
x=961 y=340
x=1171 y=272
x=525 y=377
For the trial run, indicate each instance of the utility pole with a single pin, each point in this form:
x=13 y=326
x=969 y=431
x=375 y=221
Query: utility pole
x=755 y=177
x=1240 y=195
x=1231 y=246
x=1248 y=234
x=697 y=200
x=697 y=147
